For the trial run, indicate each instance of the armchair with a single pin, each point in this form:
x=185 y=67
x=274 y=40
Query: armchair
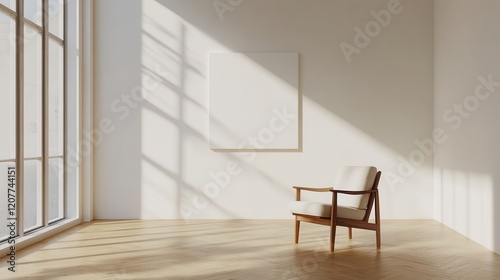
x=354 y=194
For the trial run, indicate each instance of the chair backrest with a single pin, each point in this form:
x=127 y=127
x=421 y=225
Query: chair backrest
x=355 y=178
x=371 y=200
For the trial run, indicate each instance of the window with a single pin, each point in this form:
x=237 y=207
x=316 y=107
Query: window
x=33 y=112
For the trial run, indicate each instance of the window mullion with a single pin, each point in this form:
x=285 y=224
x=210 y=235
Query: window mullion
x=65 y=106
x=8 y=11
x=45 y=112
x=57 y=39
x=20 y=116
x=33 y=25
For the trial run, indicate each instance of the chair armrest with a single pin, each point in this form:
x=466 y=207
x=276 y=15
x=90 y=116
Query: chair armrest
x=312 y=189
x=353 y=192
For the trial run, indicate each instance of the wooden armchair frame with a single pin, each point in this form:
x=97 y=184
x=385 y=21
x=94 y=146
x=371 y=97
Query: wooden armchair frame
x=333 y=221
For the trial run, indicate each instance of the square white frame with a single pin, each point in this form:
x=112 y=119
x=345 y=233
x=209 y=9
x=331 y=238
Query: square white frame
x=254 y=101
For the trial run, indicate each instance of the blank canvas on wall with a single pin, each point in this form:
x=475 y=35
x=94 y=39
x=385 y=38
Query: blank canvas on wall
x=254 y=101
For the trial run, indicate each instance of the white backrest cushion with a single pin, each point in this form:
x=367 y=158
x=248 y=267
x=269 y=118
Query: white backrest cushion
x=355 y=178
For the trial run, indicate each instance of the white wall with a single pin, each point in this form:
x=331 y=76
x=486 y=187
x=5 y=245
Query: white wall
x=152 y=158
x=466 y=176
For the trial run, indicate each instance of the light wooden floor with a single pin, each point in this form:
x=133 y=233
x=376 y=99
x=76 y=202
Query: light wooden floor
x=249 y=249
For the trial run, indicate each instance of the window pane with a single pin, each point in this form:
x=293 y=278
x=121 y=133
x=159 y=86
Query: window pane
x=4 y=183
x=32 y=129
x=9 y=4
x=56 y=17
x=56 y=130
x=32 y=93
x=7 y=112
x=56 y=190
x=56 y=99
x=32 y=194
x=33 y=11
x=7 y=89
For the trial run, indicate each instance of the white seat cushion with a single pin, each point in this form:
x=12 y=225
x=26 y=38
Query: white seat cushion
x=355 y=178
x=324 y=210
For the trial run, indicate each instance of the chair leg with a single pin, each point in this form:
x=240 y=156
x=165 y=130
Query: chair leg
x=333 y=222
x=377 y=218
x=350 y=232
x=333 y=229
x=297 y=229
x=378 y=236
